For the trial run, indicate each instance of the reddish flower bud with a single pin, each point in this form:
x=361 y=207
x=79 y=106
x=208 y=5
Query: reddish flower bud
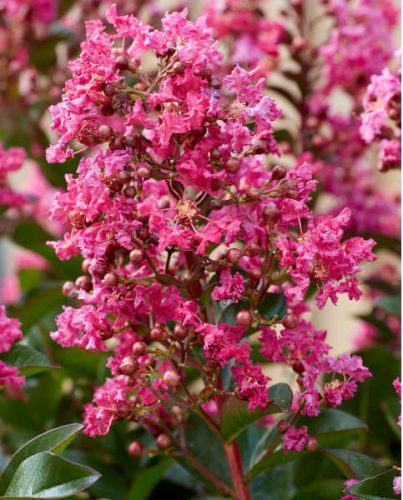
x=251 y=250
x=312 y=444
x=278 y=173
x=233 y=255
x=298 y=367
x=283 y=426
x=233 y=165
x=157 y=334
x=180 y=331
x=69 y=289
x=83 y=283
x=171 y=379
x=139 y=348
x=244 y=318
x=128 y=365
x=77 y=219
x=85 y=265
x=136 y=449
x=129 y=191
x=290 y=321
x=144 y=173
x=137 y=255
x=110 y=279
x=164 y=441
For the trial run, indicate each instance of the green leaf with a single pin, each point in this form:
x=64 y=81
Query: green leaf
x=273 y=305
x=324 y=489
x=329 y=428
x=46 y=475
x=274 y=485
x=55 y=440
x=146 y=479
x=391 y=304
x=235 y=416
x=378 y=487
x=203 y=445
x=229 y=314
x=29 y=361
x=354 y=465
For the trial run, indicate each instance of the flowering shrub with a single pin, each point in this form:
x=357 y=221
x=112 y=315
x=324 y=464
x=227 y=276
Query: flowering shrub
x=173 y=274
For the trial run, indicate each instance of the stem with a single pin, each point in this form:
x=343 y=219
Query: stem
x=235 y=465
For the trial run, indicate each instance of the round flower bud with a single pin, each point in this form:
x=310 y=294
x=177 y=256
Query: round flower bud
x=110 y=279
x=150 y=363
x=244 y=318
x=83 y=283
x=156 y=334
x=85 y=265
x=144 y=173
x=77 y=219
x=271 y=213
x=312 y=444
x=164 y=441
x=255 y=273
x=171 y=379
x=129 y=191
x=68 y=288
x=215 y=154
x=137 y=255
x=298 y=367
x=139 y=348
x=104 y=132
x=233 y=165
x=233 y=255
x=290 y=321
x=251 y=250
x=128 y=365
x=136 y=449
x=180 y=331
x=278 y=173
x=283 y=426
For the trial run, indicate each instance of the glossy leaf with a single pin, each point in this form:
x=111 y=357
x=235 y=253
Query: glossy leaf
x=235 y=416
x=273 y=305
x=29 y=361
x=354 y=465
x=54 y=440
x=329 y=427
x=391 y=304
x=378 y=487
x=46 y=475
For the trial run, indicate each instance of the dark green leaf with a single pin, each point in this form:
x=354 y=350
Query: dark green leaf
x=325 y=489
x=329 y=427
x=235 y=416
x=45 y=475
x=391 y=304
x=354 y=465
x=55 y=440
x=379 y=487
x=273 y=305
x=229 y=314
x=274 y=485
x=146 y=479
x=28 y=361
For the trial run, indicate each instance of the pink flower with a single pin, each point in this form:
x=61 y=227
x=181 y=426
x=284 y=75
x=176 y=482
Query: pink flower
x=295 y=439
x=231 y=287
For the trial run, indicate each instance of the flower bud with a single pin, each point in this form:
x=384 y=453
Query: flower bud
x=171 y=379
x=136 y=449
x=137 y=255
x=278 y=173
x=244 y=318
x=83 y=283
x=283 y=426
x=139 y=348
x=290 y=321
x=156 y=334
x=233 y=255
x=110 y=279
x=128 y=365
x=312 y=444
x=180 y=331
x=164 y=441
x=232 y=165
x=69 y=289
x=298 y=367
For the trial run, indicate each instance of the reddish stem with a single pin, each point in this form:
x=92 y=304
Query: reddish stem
x=235 y=465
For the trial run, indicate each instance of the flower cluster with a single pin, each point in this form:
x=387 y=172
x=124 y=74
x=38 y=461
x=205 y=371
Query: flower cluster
x=173 y=205
x=10 y=332
x=381 y=118
x=250 y=38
